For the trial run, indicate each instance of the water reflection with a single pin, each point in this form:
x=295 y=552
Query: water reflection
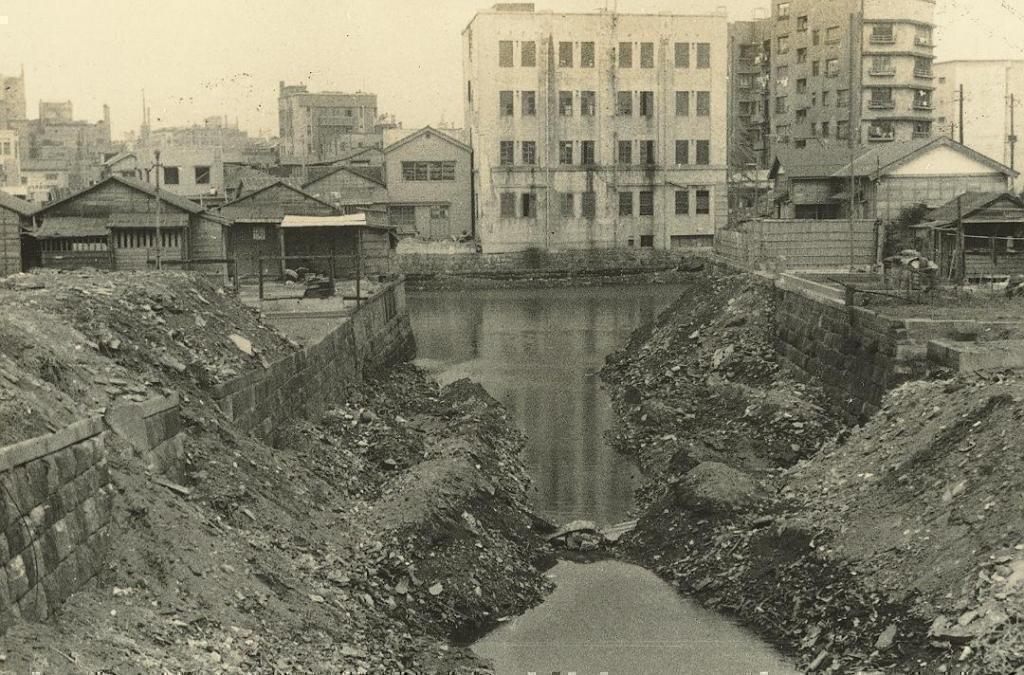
x=538 y=351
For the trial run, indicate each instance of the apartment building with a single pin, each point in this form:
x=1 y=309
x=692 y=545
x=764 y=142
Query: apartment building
x=990 y=89
x=596 y=130
x=326 y=125
x=814 y=70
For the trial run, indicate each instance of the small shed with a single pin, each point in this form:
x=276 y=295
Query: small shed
x=15 y=215
x=993 y=235
x=125 y=224
x=361 y=243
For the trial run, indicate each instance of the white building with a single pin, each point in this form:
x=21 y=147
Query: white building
x=596 y=130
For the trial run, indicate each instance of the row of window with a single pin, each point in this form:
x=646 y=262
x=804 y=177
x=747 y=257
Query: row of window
x=884 y=66
x=645 y=153
x=428 y=171
x=842 y=100
x=586 y=102
x=404 y=217
x=567 y=54
x=172 y=175
x=641 y=203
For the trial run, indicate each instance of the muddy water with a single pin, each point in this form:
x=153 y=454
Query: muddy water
x=538 y=351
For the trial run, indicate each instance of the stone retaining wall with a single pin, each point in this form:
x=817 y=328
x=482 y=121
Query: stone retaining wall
x=56 y=515
x=572 y=262
x=376 y=335
x=154 y=431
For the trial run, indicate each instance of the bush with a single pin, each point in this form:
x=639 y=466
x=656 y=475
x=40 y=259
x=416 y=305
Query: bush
x=898 y=235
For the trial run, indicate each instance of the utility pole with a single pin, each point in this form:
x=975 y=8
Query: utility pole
x=961 y=114
x=1013 y=133
x=158 y=242
x=962 y=256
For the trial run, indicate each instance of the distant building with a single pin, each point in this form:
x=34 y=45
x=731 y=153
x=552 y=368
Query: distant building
x=325 y=125
x=596 y=130
x=60 y=144
x=814 y=183
x=45 y=180
x=194 y=172
x=213 y=132
x=12 y=99
x=800 y=80
x=429 y=177
x=989 y=126
x=10 y=159
x=350 y=189
x=56 y=111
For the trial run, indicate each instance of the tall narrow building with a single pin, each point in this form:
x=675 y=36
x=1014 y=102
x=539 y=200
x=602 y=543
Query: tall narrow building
x=816 y=69
x=320 y=126
x=596 y=130
x=12 y=99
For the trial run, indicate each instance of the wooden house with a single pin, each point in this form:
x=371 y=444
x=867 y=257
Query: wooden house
x=115 y=223
x=15 y=216
x=993 y=236
x=351 y=189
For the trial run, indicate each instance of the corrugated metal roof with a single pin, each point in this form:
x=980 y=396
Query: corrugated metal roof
x=351 y=220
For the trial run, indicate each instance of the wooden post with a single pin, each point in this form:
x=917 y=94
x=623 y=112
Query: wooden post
x=962 y=262
x=330 y=267
x=259 y=273
x=234 y=267
x=359 y=266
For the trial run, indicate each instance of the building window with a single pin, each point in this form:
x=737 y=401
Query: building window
x=881 y=98
x=625 y=203
x=883 y=33
x=565 y=152
x=801 y=55
x=703 y=152
x=815 y=37
x=745 y=81
x=783 y=45
x=801 y=23
x=170 y=175
x=703 y=103
x=922 y=129
x=508 y=205
x=646 y=54
x=259 y=232
x=682 y=152
x=832 y=35
x=882 y=66
x=843 y=130
x=646 y=204
x=529 y=205
x=528 y=103
x=703 y=202
x=625 y=152
x=469 y=91
x=922 y=66
x=624 y=103
x=508 y=153
x=801 y=86
x=505 y=54
x=647 y=153
x=816 y=68
x=565 y=55
x=922 y=99
x=832 y=68
x=625 y=55
x=780 y=105
x=587 y=156
x=428 y=171
x=529 y=152
x=568 y=205
x=825 y=129
x=682 y=202
x=588 y=103
x=588 y=204
x=923 y=37
x=647 y=104
x=565 y=103
x=703 y=54
x=843 y=98
x=881 y=130
x=505 y=103
x=782 y=75
x=528 y=56
x=826 y=99
x=202 y=175
x=586 y=55
x=439 y=213
x=682 y=55
x=683 y=103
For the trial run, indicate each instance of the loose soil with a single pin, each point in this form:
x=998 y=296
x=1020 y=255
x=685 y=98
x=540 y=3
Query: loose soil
x=895 y=547
x=363 y=541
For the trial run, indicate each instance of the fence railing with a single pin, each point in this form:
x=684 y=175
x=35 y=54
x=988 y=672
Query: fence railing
x=327 y=269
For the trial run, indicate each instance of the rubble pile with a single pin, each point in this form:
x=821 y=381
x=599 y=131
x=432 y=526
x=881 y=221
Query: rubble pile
x=361 y=542
x=894 y=546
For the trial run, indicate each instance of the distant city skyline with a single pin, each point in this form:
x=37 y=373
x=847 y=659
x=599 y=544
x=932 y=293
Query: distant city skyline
x=197 y=60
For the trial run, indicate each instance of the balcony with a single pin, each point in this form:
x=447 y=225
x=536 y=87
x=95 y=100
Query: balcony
x=923 y=105
x=922 y=134
x=922 y=41
x=883 y=39
x=923 y=74
x=881 y=135
x=882 y=105
x=887 y=72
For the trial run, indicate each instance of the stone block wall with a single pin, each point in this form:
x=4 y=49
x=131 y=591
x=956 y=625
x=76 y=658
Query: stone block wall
x=536 y=261
x=154 y=431
x=303 y=384
x=56 y=507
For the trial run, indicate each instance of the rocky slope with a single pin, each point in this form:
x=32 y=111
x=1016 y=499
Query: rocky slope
x=363 y=542
x=895 y=546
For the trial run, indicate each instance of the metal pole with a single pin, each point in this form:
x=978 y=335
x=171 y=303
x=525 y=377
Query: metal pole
x=961 y=114
x=1013 y=133
x=259 y=273
x=158 y=242
x=962 y=276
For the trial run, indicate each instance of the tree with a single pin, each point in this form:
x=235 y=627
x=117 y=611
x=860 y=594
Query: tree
x=898 y=235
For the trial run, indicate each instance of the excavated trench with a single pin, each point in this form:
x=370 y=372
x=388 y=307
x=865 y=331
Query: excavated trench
x=539 y=351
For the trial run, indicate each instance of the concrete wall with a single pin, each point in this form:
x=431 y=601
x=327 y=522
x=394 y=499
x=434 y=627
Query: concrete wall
x=521 y=263
x=800 y=244
x=304 y=384
x=56 y=518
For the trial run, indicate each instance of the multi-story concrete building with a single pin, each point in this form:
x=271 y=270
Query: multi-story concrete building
x=56 y=111
x=990 y=89
x=12 y=99
x=829 y=67
x=10 y=159
x=59 y=143
x=326 y=125
x=596 y=129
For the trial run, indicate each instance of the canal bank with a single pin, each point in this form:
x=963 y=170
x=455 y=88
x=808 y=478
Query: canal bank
x=539 y=351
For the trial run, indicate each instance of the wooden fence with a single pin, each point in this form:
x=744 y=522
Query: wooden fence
x=801 y=244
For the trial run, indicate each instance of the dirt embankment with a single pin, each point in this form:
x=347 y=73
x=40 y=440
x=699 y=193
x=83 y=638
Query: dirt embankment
x=892 y=546
x=362 y=542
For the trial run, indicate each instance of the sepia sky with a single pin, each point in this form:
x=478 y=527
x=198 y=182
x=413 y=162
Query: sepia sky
x=197 y=58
